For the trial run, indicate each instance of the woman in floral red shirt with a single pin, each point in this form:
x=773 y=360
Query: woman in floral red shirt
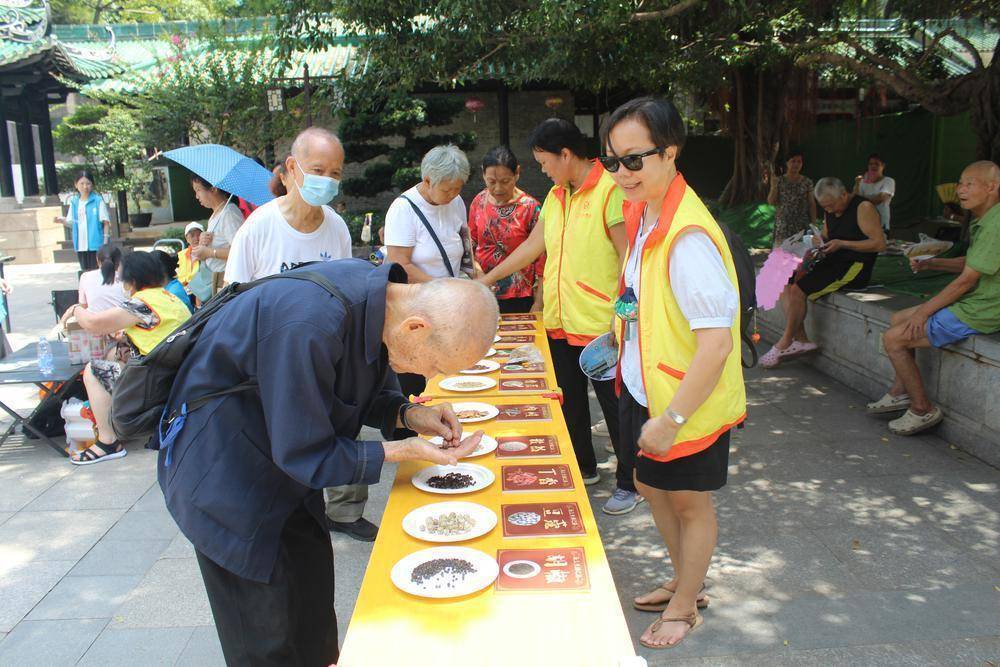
x=500 y=219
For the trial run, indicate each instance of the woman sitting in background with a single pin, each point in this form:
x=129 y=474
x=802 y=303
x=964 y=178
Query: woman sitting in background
x=173 y=285
x=101 y=289
x=148 y=316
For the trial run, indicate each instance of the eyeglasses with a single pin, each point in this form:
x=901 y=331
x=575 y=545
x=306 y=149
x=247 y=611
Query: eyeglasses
x=631 y=162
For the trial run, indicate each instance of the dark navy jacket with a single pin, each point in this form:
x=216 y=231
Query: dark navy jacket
x=244 y=462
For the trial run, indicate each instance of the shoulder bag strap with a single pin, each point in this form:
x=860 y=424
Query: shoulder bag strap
x=430 y=230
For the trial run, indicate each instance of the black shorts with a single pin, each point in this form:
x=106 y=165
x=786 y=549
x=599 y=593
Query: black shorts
x=828 y=276
x=703 y=471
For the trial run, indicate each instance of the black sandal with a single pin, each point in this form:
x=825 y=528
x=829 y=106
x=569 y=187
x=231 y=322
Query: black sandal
x=115 y=450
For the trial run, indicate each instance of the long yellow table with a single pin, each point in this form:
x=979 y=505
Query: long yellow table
x=583 y=628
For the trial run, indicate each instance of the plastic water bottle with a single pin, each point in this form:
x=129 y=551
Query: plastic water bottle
x=45 y=363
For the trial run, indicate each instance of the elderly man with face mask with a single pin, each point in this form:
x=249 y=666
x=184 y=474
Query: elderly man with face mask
x=243 y=477
x=298 y=227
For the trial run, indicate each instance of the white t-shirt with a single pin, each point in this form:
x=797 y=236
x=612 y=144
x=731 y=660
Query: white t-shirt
x=266 y=244
x=404 y=229
x=869 y=190
x=97 y=295
x=224 y=225
x=701 y=286
x=82 y=228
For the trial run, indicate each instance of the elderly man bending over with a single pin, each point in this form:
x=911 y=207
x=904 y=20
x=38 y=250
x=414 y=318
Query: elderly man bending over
x=243 y=478
x=969 y=305
x=853 y=236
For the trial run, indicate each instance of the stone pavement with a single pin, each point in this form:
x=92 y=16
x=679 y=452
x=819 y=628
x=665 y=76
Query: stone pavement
x=839 y=544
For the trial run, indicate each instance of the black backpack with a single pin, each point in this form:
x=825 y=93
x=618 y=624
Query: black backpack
x=747 y=279
x=143 y=388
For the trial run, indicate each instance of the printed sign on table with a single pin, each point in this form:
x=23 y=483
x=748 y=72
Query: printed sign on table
x=515 y=327
x=525 y=412
x=515 y=340
x=526 y=447
x=519 y=369
x=519 y=317
x=543 y=477
x=524 y=384
x=562 y=569
x=542 y=520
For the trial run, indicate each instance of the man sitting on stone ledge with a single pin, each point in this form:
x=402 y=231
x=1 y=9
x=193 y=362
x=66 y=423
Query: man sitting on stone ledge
x=969 y=305
x=853 y=237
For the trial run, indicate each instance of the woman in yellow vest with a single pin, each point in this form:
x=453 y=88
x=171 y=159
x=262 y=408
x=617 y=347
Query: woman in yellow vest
x=681 y=382
x=187 y=264
x=147 y=317
x=583 y=239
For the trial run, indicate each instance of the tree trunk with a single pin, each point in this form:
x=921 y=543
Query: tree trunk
x=984 y=111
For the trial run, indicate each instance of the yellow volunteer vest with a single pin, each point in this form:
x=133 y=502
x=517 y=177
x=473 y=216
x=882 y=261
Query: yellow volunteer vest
x=666 y=343
x=171 y=312
x=186 y=267
x=581 y=265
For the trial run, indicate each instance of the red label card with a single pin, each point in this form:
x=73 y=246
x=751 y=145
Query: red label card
x=515 y=340
x=519 y=369
x=562 y=569
x=525 y=447
x=542 y=520
x=526 y=412
x=543 y=477
x=524 y=384
x=515 y=327
x=519 y=317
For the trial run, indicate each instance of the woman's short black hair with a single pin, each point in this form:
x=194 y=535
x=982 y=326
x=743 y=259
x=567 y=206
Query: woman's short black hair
x=142 y=270
x=195 y=178
x=500 y=156
x=794 y=152
x=875 y=156
x=169 y=263
x=85 y=174
x=555 y=134
x=660 y=116
x=109 y=257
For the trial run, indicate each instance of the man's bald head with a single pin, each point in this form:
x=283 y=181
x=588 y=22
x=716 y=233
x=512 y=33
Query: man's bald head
x=314 y=139
x=978 y=189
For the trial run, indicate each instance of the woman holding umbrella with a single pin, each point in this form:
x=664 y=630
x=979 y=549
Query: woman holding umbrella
x=213 y=246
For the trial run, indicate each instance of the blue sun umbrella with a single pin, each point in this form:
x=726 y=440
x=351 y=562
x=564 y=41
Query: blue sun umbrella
x=227 y=170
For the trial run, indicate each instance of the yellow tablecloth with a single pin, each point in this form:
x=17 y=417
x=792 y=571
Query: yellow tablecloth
x=390 y=628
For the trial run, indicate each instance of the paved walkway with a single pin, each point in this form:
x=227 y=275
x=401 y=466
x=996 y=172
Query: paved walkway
x=840 y=544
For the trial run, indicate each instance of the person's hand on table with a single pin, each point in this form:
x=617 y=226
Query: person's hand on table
x=435 y=420
x=658 y=435
x=418 y=449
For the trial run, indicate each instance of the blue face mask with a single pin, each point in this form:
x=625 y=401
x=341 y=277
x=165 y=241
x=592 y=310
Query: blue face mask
x=318 y=190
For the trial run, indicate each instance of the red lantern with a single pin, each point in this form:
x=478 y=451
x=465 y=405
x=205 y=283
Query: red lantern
x=554 y=101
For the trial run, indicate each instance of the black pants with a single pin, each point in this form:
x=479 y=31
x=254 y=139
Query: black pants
x=521 y=304
x=576 y=403
x=289 y=621
x=87 y=259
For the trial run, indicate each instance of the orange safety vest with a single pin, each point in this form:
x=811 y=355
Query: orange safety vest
x=186 y=267
x=170 y=311
x=581 y=266
x=666 y=343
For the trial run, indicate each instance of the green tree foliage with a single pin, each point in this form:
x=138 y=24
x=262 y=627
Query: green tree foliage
x=384 y=132
x=131 y=11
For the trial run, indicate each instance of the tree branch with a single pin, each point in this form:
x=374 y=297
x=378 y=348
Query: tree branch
x=967 y=44
x=669 y=12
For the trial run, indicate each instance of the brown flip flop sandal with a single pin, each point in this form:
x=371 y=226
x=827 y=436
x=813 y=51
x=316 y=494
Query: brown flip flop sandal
x=694 y=621
x=702 y=602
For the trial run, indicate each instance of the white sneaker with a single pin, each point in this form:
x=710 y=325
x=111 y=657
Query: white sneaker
x=601 y=429
x=592 y=479
x=889 y=403
x=911 y=423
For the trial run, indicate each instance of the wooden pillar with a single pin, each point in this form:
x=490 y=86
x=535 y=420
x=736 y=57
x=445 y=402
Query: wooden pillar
x=26 y=153
x=47 y=149
x=503 y=105
x=6 y=168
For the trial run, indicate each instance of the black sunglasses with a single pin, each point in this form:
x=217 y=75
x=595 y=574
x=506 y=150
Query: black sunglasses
x=631 y=162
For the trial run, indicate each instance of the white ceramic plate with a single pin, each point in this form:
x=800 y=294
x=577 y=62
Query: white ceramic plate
x=467 y=383
x=492 y=351
x=485 y=573
x=485 y=521
x=482 y=366
x=486 y=445
x=483 y=478
x=489 y=412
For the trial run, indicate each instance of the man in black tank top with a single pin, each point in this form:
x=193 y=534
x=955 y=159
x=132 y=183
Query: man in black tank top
x=853 y=238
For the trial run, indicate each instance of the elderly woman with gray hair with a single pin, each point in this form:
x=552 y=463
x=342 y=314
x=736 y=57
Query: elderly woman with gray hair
x=425 y=226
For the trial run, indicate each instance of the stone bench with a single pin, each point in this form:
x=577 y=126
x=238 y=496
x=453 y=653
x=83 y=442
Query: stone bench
x=964 y=379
